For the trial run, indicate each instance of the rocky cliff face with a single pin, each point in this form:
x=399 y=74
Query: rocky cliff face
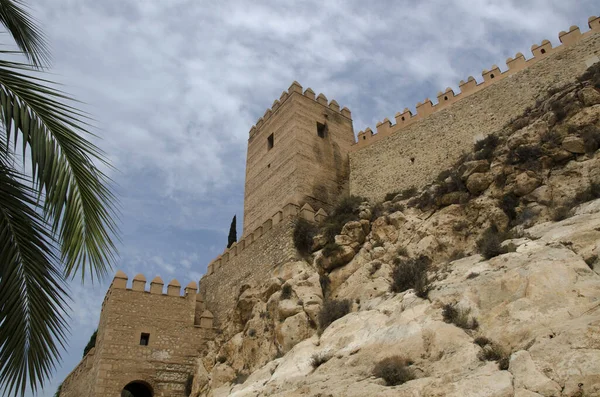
x=485 y=283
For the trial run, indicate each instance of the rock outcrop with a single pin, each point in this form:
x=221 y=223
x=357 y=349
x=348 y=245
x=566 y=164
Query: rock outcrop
x=510 y=305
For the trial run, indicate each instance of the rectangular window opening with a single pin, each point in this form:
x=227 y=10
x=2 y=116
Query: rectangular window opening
x=321 y=130
x=270 y=142
x=144 y=339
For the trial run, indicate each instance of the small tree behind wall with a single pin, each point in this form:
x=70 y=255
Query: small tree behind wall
x=232 y=233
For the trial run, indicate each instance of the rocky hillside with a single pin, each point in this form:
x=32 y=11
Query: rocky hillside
x=484 y=283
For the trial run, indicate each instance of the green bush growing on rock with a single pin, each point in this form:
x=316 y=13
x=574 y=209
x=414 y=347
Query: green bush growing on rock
x=304 y=231
x=394 y=370
x=591 y=138
x=331 y=249
x=345 y=211
x=489 y=244
x=411 y=273
x=286 y=291
x=484 y=149
x=508 y=203
x=592 y=74
x=91 y=343
x=332 y=310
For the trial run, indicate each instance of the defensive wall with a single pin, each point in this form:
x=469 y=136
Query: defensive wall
x=297 y=152
x=250 y=260
x=416 y=148
x=145 y=337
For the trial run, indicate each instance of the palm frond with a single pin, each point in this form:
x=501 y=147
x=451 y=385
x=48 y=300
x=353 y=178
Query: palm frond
x=31 y=289
x=28 y=36
x=77 y=202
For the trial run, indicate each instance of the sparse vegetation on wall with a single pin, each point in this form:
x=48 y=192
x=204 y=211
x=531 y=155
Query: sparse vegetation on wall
x=91 y=343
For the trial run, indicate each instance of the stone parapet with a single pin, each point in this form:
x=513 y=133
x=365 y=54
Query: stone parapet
x=470 y=86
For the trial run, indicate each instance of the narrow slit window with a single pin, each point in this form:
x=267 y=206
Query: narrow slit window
x=144 y=339
x=322 y=130
x=270 y=142
x=543 y=51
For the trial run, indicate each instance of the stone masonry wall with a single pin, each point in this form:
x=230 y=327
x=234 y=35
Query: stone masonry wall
x=301 y=167
x=415 y=155
x=251 y=266
x=176 y=339
x=80 y=382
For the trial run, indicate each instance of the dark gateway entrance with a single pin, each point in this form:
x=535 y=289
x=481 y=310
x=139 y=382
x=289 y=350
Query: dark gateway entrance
x=137 y=389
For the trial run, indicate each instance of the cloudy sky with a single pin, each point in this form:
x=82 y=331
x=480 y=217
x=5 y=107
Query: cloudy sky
x=175 y=85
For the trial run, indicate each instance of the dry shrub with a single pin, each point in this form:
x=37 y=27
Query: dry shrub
x=460 y=317
x=411 y=273
x=490 y=243
x=319 y=359
x=394 y=370
x=332 y=310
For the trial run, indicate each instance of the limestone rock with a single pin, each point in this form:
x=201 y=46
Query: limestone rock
x=292 y=331
x=542 y=195
x=455 y=197
x=338 y=258
x=246 y=302
x=589 y=96
x=355 y=231
x=588 y=115
x=525 y=183
x=288 y=308
x=573 y=144
x=201 y=378
x=221 y=374
x=471 y=167
x=527 y=376
x=319 y=242
x=479 y=182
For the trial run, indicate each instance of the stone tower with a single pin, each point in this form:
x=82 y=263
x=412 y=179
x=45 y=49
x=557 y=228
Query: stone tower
x=297 y=153
x=147 y=342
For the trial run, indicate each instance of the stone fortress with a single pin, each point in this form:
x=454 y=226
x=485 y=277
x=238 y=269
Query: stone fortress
x=302 y=156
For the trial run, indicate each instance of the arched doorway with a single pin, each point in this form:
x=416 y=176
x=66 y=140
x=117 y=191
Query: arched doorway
x=137 y=389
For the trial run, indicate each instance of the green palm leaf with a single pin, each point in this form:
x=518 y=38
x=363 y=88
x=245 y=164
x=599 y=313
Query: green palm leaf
x=31 y=289
x=55 y=221
x=76 y=199
x=28 y=36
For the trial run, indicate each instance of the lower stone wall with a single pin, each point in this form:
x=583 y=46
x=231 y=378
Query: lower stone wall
x=416 y=154
x=80 y=382
x=251 y=266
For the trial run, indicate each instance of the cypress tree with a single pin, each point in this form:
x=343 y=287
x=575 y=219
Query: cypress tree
x=232 y=233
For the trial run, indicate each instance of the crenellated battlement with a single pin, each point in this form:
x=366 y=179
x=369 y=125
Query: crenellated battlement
x=138 y=283
x=289 y=211
x=295 y=87
x=470 y=86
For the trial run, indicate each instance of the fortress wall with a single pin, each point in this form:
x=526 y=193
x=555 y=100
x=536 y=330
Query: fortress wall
x=177 y=327
x=270 y=177
x=80 y=382
x=281 y=174
x=415 y=155
x=220 y=287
